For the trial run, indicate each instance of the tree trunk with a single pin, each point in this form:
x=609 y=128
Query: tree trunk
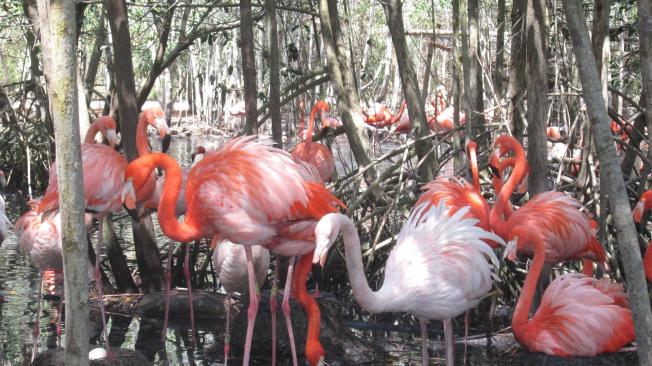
x=537 y=92
x=124 y=283
x=347 y=97
x=516 y=87
x=416 y=109
x=96 y=56
x=645 y=44
x=149 y=262
x=248 y=67
x=609 y=171
x=58 y=25
x=274 y=82
x=473 y=88
x=499 y=76
x=458 y=162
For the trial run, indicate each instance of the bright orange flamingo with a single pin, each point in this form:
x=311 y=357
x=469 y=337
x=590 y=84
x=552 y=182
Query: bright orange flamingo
x=644 y=205
x=578 y=315
x=316 y=154
x=382 y=117
x=444 y=117
x=103 y=170
x=249 y=193
x=566 y=231
x=451 y=267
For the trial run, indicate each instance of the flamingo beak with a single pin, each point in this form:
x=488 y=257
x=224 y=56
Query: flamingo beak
x=162 y=126
x=510 y=250
x=129 y=200
x=638 y=211
x=112 y=136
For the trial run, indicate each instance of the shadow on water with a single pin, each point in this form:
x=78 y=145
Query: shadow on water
x=349 y=335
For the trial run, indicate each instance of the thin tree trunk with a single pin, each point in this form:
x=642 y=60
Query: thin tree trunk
x=616 y=189
x=274 y=82
x=416 y=109
x=474 y=89
x=149 y=262
x=58 y=25
x=499 y=77
x=537 y=91
x=96 y=56
x=458 y=162
x=347 y=97
x=645 y=44
x=516 y=88
x=248 y=66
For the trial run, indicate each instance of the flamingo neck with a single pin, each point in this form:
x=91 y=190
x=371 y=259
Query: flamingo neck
x=90 y=133
x=142 y=147
x=372 y=301
x=185 y=231
x=314 y=350
x=520 y=317
x=400 y=113
x=497 y=219
x=473 y=159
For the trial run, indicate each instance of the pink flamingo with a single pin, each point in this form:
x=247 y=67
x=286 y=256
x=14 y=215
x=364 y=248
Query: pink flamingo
x=644 y=205
x=566 y=231
x=103 y=169
x=229 y=261
x=249 y=193
x=444 y=117
x=329 y=121
x=450 y=267
x=578 y=315
x=316 y=154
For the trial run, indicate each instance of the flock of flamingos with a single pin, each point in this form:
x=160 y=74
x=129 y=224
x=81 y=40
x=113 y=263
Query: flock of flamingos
x=251 y=199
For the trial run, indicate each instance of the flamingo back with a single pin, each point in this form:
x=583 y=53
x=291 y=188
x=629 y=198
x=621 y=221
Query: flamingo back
x=247 y=187
x=451 y=267
x=41 y=240
x=229 y=260
x=580 y=316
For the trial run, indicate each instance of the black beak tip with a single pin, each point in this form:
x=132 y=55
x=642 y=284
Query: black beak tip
x=494 y=171
x=165 y=144
x=318 y=275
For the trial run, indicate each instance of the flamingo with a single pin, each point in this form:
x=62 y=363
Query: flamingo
x=444 y=117
x=229 y=261
x=5 y=224
x=439 y=268
x=329 y=121
x=644 y=205
x=252 y=194
x=316 y=154
x=382 y=117
x=578 y=315
x=103 y=169
x=566 y=231
x=553 y=133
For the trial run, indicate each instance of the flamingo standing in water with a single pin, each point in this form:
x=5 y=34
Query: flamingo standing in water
x=252 y=194
x=103 y=169
x=566 y=231
x=316 y=154
x=229 y=261
x=578 y=316
x=439 y=268
x=644 y=205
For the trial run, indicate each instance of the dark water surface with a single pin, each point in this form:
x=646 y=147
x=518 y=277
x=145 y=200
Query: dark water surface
x=395 y=335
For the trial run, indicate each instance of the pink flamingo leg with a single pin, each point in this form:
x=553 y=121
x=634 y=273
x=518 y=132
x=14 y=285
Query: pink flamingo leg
x=253 y=304
x=227 y=336
x=168 y=279
x=467 y=320
x=186 y=274
x=424 y=342
x=37 y=324
x=287 y=309
x=100 y=293
x=450 y=342
x=273 y=306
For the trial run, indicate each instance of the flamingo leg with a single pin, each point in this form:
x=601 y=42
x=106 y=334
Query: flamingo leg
x=423 y=323
x=253 y=304
x=450 y=342
x=186 y=274
x=227 y=335
x=100 y=289
x=168 y=280
x=37 y=323
x=273 y=306
x=287 y=310
x=467 y=319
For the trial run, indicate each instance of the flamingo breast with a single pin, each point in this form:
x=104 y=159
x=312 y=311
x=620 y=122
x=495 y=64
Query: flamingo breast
x=319 y=156
x=229 y=260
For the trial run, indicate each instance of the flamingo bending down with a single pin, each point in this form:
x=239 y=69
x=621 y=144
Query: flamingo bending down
x=643 y=205
x=249 y=193
x=439 y=268
x=103 y=169
x=229 y=261
x=566 y=231
x=316 y=154
x=578 y=315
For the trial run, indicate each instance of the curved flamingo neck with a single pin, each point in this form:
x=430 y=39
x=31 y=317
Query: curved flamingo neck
x=185 y=231
x=142 y=147
x=496 y=219
x=471 y=151
x=400 y=113
x=520 y=317
x=91 y=133
x=314 y=350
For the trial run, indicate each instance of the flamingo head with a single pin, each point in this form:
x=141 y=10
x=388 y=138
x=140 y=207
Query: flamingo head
x=644 y=204
x=321 y=105
x=129 y=199
x=326 y=233
x=156 y=118
x=494 y=166
x=137 y=181
x=200 y=150
x=510 y=250
x=108 y=127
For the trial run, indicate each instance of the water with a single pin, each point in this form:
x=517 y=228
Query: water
x=393 y=337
